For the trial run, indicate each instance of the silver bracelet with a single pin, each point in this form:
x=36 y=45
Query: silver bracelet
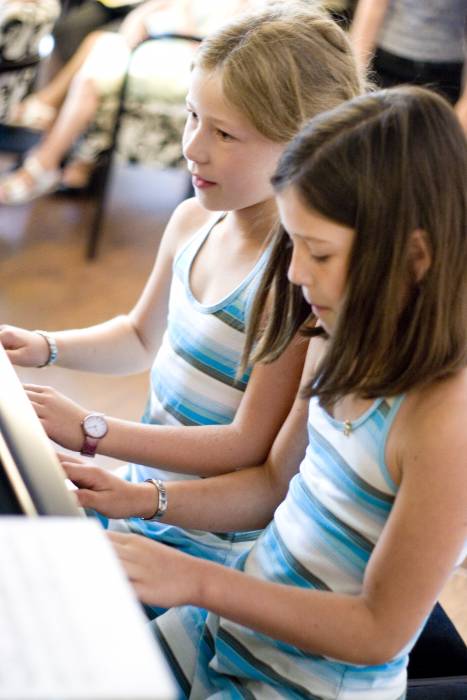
x=162 y=500
x=53 y=350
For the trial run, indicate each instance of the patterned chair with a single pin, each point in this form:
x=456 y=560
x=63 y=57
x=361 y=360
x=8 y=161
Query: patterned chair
x=151 y=112
x=144 y=124
x=23 y=24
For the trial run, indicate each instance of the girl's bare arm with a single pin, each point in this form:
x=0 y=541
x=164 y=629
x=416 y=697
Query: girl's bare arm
x=125 y=344
x=241 y=500
x=201 y=450
x=412 y=560
x=216 y=449
x=367 y=22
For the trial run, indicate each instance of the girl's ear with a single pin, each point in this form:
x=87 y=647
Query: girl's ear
x=419 y=253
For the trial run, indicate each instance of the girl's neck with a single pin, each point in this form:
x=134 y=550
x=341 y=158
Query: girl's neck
x=255 y=222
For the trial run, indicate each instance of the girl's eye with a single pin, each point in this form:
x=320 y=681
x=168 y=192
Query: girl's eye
x=321 y=258
x=191 y=114
x=224 y=135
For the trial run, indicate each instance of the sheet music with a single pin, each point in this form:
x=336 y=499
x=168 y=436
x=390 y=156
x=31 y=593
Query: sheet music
x=70 y=624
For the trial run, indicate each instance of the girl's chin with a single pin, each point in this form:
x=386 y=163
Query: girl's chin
x=324 y=319
x=208 y=202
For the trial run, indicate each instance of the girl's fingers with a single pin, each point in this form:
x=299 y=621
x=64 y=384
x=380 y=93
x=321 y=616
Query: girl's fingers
x=120 y=540
x=134 y=571
x=133 y=565
x=70 y=459
x=118 y=537
x=14 y=353
x=35 y=388
x=32 y=394
x=123 y=544
x=35 y=400
x=87 y=498
x=37 y=407
x=79 y=474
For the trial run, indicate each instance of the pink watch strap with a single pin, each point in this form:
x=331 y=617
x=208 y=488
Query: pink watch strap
x=89 y=446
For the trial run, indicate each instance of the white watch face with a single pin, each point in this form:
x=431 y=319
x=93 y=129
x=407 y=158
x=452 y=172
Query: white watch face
x=95 y=426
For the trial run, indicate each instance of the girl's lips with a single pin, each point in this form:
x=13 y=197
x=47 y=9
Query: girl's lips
x=201 y=183
x=314 y=307
x=318 y=309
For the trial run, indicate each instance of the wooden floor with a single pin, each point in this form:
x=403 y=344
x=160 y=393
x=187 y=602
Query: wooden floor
x=45 y=282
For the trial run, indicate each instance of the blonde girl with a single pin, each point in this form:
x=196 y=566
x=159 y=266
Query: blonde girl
x=253 y=85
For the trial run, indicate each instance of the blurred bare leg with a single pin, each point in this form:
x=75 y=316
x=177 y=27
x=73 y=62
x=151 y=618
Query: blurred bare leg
x=75 y=115
x=41 y=171
x=54 y=93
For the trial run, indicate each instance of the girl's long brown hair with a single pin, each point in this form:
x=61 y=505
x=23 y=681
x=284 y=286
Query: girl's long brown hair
x=385 y=164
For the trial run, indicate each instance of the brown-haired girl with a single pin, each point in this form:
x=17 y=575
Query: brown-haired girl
x=330 y=599
x=254 y=83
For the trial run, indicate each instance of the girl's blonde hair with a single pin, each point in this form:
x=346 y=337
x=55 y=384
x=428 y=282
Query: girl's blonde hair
x=282 y=65
x=386 y=165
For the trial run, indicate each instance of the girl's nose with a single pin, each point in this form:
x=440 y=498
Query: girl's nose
x=194 y=146
x=298 y=272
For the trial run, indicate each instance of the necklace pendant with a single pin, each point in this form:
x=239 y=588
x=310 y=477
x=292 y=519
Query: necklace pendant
x=347 y=427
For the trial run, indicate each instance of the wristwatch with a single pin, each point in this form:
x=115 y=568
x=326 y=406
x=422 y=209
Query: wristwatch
x=94 y=428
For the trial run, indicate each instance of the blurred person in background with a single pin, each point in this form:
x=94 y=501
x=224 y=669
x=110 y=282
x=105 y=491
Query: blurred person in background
x=415 y=41
x=80 y=19
x=65 y=107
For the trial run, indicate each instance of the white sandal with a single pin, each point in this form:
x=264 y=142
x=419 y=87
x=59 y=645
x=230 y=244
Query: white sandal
x=32 y=113
x=14 y=189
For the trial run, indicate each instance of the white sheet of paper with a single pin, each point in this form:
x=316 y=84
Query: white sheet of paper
x=70 y=624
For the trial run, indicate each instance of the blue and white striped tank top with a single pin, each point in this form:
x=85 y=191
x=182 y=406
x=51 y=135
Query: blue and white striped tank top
x=321 y=537
x=193 y=382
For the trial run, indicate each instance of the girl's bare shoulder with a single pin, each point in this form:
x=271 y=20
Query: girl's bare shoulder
x=436 y=415
x=440 y=399
x=187 y=219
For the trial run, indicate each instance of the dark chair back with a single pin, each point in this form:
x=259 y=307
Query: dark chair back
x=438 y=662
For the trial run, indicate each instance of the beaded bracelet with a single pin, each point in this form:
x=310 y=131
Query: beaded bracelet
x=53 y=350
x=162 y=499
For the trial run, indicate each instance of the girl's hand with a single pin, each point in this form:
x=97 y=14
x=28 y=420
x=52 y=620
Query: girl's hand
x=107 y=493
x=161 y=575
x=60 y=416
x=24 y=348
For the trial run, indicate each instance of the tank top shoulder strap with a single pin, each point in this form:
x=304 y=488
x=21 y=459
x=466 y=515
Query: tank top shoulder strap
x=389 y=409
x=188 y=251
x=238 y=304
